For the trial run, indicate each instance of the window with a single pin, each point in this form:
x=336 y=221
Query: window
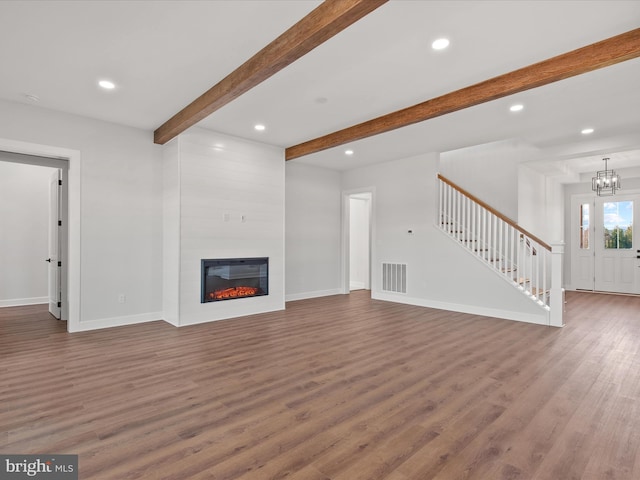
x=584 y=226
x=618 y=225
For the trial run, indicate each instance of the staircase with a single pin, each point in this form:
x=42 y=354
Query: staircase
x=523 y=260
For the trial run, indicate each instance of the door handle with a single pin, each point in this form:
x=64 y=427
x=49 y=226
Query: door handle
x=49 y=260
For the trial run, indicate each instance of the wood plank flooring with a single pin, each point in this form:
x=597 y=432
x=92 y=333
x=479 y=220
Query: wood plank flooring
x=334 y=388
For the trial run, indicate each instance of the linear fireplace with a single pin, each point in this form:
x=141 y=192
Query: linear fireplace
x=233 y=278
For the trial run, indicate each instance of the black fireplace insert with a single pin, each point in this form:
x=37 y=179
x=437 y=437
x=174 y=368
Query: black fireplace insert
x=233 y=278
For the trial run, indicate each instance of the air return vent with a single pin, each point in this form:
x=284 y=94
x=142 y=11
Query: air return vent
x=394 y=277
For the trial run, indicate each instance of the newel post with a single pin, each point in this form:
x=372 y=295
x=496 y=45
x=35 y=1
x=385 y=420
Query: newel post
x=556 y=300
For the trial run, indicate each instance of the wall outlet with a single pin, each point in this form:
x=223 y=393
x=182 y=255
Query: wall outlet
x=122 y=298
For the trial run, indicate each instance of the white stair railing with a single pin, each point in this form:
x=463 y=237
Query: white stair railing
x=518 y=256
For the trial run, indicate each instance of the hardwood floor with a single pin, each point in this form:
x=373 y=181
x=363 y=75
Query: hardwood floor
x=339 y=388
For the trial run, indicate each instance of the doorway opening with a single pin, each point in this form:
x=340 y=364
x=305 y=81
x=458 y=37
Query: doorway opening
x=68 y=161
x=357 y=240
x=35 y=240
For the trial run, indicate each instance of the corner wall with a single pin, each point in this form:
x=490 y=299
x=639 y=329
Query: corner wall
x=313 y=227
x=540 y=205
x=171 y=232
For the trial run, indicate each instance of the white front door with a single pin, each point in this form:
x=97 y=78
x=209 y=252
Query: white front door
x=55 y=297
x=616 y=263
x=604 y=250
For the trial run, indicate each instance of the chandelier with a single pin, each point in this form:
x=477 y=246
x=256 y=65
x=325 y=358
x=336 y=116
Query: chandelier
x=606 y=181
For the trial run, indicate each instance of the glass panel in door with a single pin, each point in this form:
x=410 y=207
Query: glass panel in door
x=582 y=259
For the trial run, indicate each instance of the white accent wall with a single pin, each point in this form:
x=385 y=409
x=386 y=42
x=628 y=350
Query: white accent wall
x=24 y=232
x=223 y=198
x=121 y=210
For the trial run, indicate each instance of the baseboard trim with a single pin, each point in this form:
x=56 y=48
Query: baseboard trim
x=318 y=293
x=21 y=302
x=85 y=326
x=541 y=319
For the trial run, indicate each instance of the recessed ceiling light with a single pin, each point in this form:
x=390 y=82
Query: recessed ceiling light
x=107 y=85
x=587 y=131
x=348 y=152
x=440 y=44
x=31 y=97
x=259 y=127
x=516 y=108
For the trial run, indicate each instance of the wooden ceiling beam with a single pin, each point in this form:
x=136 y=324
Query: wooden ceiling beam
x=586 y=59
x=328 y=19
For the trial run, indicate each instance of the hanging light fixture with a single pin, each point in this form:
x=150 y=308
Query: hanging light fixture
x=606 y=181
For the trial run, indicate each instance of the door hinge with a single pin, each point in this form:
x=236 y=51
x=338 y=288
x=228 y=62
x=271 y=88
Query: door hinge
x=59 y=182
x=59 y=264
x=59 y=304
x=59 y=223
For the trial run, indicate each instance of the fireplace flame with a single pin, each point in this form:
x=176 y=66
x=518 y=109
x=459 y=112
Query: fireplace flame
x=233 y=292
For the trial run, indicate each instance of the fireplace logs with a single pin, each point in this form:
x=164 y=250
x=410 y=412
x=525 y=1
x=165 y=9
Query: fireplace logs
x=233 y=293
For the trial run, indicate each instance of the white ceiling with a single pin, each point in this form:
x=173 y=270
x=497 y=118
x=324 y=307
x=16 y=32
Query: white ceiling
x=162 y=54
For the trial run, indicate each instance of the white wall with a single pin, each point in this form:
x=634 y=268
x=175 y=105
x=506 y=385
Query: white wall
x=313 y=229
x=24 y=232
x=490 y=172
x=121 y=210
x=531 y=201
x=231 y=206
x=540 y=205
x=440 y=273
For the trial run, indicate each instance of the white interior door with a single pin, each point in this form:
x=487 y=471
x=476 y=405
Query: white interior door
x=359 y=241
x=55 y=258
x=616 y=266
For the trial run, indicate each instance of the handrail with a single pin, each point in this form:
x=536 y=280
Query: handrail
x=495 y=212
